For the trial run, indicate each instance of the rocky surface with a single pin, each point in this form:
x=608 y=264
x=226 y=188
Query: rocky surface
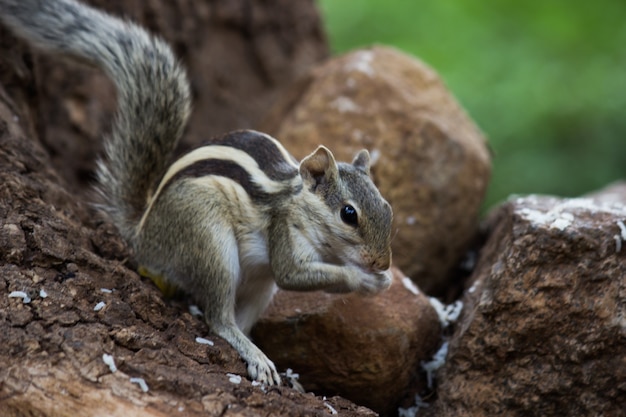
x=543 y=331
x=430 y=160
x=367 y=349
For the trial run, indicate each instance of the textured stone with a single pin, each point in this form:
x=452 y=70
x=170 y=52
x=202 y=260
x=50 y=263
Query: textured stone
x=543 y=331
x=429 y=159
x=366 y=349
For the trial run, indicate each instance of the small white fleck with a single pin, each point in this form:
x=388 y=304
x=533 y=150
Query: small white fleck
x=99 y=306
x=412 y=411
x=141 y=382
x=204 y=341
x=438 y=360
x=618 y=243
x=181 y=408
x=622 y=229
x=20 y=294
x=453 y=311
x=345 y=105
x=43 y=293
x=411 y=220
x=298 y=310
x=472 y=289
x=290 y=374
x=562 y=222
x=195 y=311
x=330 y=408
x=108 y=360
x=260 y=385
x=447 y=313
x=374 y=157
x=16 y=118
x=361 y=62
x=106 y=290
x=410 y=285
x=235 y=379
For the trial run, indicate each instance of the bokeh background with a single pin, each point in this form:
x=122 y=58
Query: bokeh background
x=545 y=80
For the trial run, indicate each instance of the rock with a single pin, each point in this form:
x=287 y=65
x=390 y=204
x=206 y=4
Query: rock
x=543 y=331
x=429 y=159
x=366 y=349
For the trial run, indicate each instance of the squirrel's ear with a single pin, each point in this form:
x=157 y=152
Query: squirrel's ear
x=362 y=161
x=319 y=167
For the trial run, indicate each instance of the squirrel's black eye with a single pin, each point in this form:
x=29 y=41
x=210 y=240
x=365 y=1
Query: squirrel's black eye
x=349 y=216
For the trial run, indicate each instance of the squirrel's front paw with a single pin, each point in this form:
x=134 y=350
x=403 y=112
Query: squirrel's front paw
x=263 y=370
x=373 y=283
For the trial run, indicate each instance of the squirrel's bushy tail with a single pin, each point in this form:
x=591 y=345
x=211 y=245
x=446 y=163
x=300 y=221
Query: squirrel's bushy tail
x=153 y=93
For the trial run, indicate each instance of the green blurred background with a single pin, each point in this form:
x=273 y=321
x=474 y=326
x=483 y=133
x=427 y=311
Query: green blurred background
x=545 y=80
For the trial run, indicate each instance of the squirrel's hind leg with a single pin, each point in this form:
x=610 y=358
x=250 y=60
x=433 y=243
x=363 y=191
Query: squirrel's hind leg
x=219 y=277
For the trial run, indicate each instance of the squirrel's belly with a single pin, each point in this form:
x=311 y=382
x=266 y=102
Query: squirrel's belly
x=256 y=285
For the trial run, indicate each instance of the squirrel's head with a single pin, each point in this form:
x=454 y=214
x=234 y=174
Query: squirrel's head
x=357 y=228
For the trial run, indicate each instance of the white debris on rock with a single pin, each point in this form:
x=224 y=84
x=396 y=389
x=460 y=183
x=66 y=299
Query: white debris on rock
x=204 y=341
x=345 y=105
x=141 y=382
x=330 y=408
x=21 y=294
x=195 y=311
x=410 y=285
x=362 y=62
x=106 y=290
x=292 y=378
x=374 y=157
x=290 y=374
x=473 y=287
x=99 y=306
x=412 y=411
x=235 y=379
x=618 y=243
x=43 y=293
x=438 y=360
x=447 y=313
x=261 y=385
x=109 y=361
x=561 y=215
x=556 y=220
x=622 y=229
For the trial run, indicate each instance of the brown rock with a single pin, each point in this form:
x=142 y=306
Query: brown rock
x=430 y=161
x=366 y=349
x=543 y=331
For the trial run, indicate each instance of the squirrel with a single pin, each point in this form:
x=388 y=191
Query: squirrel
x=231 y=219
